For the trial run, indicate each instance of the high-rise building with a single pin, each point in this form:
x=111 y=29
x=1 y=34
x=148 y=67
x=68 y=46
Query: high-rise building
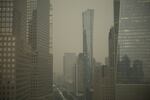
x=88 y=19
x=112 y=47
x=103 y=86
x=15 y=52
x=51 y=42
x=132 y=21
x=80 y=77
x=112 y=57
x=99 y=74
x=26 y=73
x=42 y=58
x=69 y=61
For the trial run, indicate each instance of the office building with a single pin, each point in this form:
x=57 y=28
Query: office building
x=25 y=68
x=80 y=77
x=42 y=58
x=15 y=52
x=103 y=84
x=131 y=20
x=69 y=61
x=112 y=47
x=88 y=20
x=51 y=41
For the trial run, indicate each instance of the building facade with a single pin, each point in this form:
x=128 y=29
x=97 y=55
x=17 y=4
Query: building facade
x=131 y=20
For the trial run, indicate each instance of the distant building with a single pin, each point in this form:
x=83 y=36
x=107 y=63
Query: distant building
x=80 y=77
x=69 y=61
x=88 y=19
x=112 y=47
x=103 y=86
x=96 y=84
x=104 y=75
x=51 y=46
x=112 y=54
x=131 y=21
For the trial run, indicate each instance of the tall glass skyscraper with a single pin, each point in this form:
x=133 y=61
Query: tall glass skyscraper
x=88 y=19
x=134 y=39
x=132 y=21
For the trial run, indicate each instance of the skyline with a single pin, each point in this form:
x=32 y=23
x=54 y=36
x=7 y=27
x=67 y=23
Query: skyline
x=101 y=50
x=69 y=12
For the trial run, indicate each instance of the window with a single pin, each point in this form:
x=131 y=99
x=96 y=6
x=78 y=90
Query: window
x=5 y=49
x=13 y=54
x=13 y=60
x=13 y=70
x=13 y=65
x=13 y=38
x=4 y=54
x=5 y=38
x=8 y=59
x=5 y=43
x=13 y=44
x=8 y=65
x=8 y=70
x=1 y=44
x=12 y=77
x=9 y=38
x=9 y=54
x=1 y=49
x=4 y=65
x=9 y=43
x=5 y=59
x=9 y=49
x=13 y=49
x=4 y=70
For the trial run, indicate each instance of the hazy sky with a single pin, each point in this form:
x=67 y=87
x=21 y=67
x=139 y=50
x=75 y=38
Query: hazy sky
x=67 y=32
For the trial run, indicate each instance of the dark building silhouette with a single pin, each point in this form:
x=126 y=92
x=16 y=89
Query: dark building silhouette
x=136 y=72
x=112 y=60
x=130 y=72
x=123 y=70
